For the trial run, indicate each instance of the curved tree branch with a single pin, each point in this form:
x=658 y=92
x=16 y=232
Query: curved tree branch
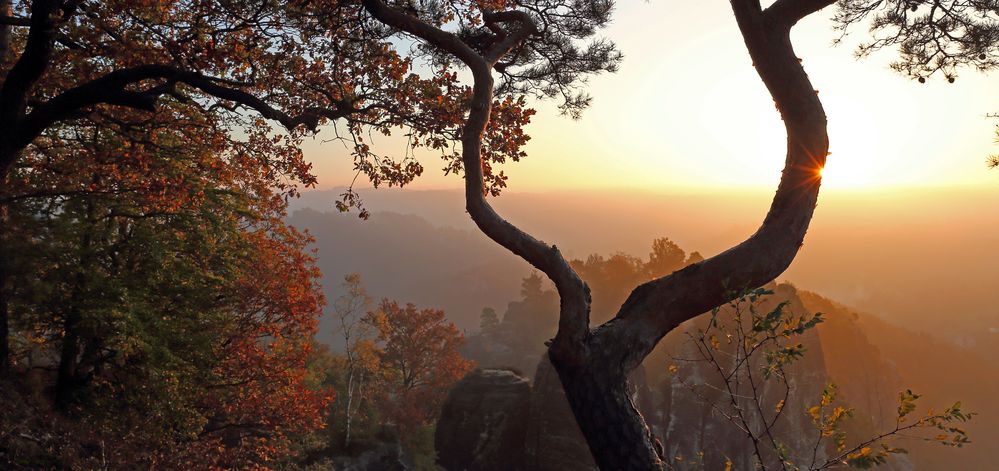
x=656 y=307
x=32 y=63
x=112 y=89
x=574 y=294
x=527 y=27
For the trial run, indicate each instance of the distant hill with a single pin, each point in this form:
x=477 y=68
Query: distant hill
x=925 y=260
x=446 y=264
x=873 y=359
x=405 y=258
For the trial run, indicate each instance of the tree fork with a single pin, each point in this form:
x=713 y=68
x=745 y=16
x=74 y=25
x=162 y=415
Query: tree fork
x=593 y=365
x=655 y=308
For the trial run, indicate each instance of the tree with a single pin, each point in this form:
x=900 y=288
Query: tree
x=488 y=320
x=532 y=45
x=418 y=350
x=293 y=63
x=300 y=64
x=612 y=278
x=172 y=302
x=400 y=379
x=593 y=364
x=932 y=36
x=349 y=310
x=666 y=257
x=747 y=360
x=223 y=71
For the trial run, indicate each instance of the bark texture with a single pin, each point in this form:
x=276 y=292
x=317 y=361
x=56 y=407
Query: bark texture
x=4 y=308
x=657 y=307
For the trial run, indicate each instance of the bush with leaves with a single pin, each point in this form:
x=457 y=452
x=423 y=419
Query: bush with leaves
x=754 y=346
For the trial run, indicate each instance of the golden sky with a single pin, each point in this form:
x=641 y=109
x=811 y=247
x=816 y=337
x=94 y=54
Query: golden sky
x=687 y=111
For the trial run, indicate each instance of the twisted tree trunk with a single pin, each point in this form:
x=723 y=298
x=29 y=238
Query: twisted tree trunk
x=593 y=364
x=614 y=429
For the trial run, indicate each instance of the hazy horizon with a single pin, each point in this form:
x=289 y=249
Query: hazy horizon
x=918 y=260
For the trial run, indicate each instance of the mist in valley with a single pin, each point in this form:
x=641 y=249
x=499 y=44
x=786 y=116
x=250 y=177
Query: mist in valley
x=907 y=284
x=923 y=260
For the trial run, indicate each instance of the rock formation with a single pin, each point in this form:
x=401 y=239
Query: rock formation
x=553 y=441
x=483 y=421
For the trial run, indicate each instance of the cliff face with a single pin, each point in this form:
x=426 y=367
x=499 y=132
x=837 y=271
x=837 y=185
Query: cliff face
x=873 y=360
x=494 y=419
x=553 y=441
x=483 y=422
x=683 y=406
x=694 y=400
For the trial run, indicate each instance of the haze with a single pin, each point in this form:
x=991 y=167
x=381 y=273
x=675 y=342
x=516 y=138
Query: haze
x=927 y=260
x=920 y=267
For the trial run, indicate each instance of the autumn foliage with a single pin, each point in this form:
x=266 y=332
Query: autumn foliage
x=157 y=297
x=155 y=310
x=273 y=72
x=418 y=350
x=397 y=365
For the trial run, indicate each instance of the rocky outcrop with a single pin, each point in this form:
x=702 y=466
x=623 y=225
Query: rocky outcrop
x=684 y=404
x=554 y=441
x=494 y=419
x=483 y=422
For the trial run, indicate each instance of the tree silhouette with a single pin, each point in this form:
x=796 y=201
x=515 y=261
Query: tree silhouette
x=932 y=36
x=593 y=364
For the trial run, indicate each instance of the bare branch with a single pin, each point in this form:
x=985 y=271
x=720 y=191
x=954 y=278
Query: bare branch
x=31 y=65
x=14 y=21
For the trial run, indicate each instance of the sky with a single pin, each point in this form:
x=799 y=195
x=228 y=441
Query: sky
x=687 y=112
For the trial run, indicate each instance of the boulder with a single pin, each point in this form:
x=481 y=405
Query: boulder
x=554 y=441
x=483 y=422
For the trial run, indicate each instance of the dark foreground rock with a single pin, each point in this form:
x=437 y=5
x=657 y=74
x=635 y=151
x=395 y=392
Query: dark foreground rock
x=494 y=419
x=554 y=441
x=483 y=422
